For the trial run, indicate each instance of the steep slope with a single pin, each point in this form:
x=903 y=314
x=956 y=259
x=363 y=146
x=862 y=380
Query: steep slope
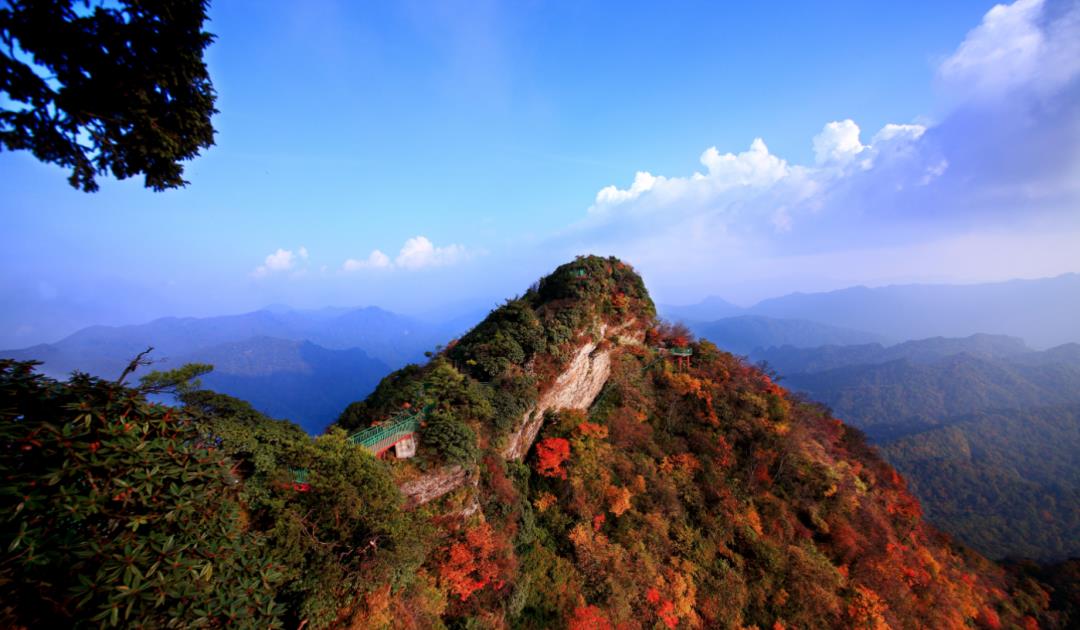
x=985 y=429
x=700 y=497
x=582 y=476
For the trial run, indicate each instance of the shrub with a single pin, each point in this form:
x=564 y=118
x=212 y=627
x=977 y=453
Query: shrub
x=452 y=439
x=116 y=511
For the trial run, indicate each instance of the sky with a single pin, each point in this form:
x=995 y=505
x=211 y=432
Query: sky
x=433 y=157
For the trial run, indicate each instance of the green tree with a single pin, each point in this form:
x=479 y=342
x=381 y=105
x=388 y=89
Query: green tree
x=180 y=381
x=450 y=437
x=120 y=87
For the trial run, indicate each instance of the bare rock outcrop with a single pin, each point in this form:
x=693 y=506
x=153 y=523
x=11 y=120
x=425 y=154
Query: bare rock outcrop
x=433 y=485
x=576 y=387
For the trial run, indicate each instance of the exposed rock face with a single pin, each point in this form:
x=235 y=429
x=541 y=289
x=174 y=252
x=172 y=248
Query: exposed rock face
x=433 y=485
x=575 y=388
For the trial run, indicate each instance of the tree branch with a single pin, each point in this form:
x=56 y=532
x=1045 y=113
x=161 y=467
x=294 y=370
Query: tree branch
x=139 y=361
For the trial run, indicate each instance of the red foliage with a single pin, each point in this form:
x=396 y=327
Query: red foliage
x=550 y=455
x=589 y=618
x=988 y=618
x=665 y=608
x=598 y=522
x=667 y=614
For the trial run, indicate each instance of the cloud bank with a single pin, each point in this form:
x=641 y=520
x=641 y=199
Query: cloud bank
x=418 y=252
x=1004 y=158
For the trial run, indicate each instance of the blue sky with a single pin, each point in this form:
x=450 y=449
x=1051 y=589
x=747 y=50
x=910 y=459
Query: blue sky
x=429 y=157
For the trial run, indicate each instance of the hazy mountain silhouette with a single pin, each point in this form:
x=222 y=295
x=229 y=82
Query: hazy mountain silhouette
x=1043 y=312
x=745 y=333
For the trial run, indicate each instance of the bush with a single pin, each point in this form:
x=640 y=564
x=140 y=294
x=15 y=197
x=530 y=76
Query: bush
x=452 y=439
x=116 y=511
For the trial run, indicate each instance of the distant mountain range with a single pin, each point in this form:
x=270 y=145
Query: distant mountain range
x=987 y=430
x=915 y=385
x=789 y=359
x=1044 y=312
x=744 y=334
x=290 y=379
x=301 y=365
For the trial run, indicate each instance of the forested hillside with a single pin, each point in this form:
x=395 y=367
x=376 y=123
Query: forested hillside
x=678 y=494
x=1005 y=482
x=985 y=428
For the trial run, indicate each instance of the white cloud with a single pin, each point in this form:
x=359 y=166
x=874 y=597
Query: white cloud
x=839 y=142
x=1029 y=43
x=302 y=252
x=754 y=189
x=741 y=174
x=418 y=252
x=375 y=260
x=755 y=167
x=610 y=195
x=281 y=260
x=1004 y=159
x=893 y=131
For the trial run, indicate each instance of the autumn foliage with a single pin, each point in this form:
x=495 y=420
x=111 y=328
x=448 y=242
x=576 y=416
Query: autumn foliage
x=550 y=455
x=477 y=559
x=701 y=496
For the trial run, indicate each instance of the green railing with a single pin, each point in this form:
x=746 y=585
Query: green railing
x=682 y=352
x=376 y=439
x=380 y=437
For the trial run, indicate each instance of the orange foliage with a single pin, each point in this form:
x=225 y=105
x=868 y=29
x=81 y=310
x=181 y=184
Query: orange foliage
x=618 y=499
x=867 y=610
x=474 y=563
x=544 y=501
x=591 y=430
x=550 y=455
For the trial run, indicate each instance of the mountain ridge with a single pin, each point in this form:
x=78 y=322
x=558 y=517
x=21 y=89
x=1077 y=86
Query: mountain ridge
x=1042 y=311
x=601 y=469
